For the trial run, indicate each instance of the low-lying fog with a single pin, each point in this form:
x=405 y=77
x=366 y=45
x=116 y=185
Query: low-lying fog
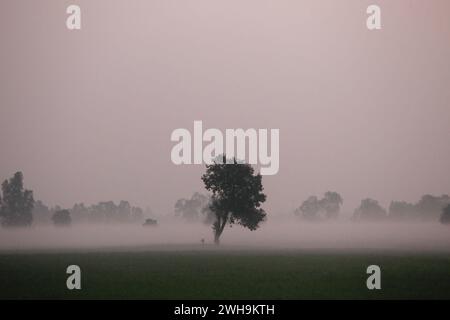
x=273 y=235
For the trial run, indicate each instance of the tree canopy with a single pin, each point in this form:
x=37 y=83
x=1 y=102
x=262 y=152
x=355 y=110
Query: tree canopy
x=328 y=207
x=62 y=218
x=236 y=195
x=369 y=210
x=16 y=203
x=445 y=217
x=193 y=209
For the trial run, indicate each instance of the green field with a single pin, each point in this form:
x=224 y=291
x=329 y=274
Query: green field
x=199 y=273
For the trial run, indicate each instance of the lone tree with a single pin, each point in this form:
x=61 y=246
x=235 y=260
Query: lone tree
x=17 y=203
x=236 y=195
x=62 y=218
x=445 y=217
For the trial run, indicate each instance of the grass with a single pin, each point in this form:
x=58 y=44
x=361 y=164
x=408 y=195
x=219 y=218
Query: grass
x=225 y=274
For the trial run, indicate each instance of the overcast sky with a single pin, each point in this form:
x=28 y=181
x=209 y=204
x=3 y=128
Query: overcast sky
x=87 y=115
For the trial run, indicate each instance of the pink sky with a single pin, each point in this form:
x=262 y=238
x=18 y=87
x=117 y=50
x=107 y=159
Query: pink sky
x=87 y=115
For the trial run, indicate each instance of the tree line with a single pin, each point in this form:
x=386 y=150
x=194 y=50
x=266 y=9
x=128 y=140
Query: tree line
x=18 y=208
x=106 y=212
x=236 y=196
x=428 y=208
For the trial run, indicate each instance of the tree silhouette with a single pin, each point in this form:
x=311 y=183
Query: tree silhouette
x=192 y=209
x=430 y=207
x=41 y=213
x=402 y=210
x=445 y=217
x=237 y=195
x=137 y=214
x=80 y=213
x=309 y=209
x=328 y=207
x=369 y=209
x=17 y=203
x=107 y=212
x=62 y=218
x=331 y=204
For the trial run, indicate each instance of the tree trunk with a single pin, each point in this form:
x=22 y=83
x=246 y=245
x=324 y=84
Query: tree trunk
x=216 y=238
x=221 y=223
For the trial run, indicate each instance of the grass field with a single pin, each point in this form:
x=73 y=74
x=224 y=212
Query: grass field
x=225 y=274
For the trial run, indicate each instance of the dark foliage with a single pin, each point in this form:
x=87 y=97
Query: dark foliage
x=445 y=217
x=236 y=195
x=16 y=203
x=62 y=218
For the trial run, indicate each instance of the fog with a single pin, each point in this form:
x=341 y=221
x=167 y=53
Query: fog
x=174 y=235
x=87 y=116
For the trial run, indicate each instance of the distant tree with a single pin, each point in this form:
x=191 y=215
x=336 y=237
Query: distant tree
x=402 y=210
x=236 y=195
x=369 y=210
x=137 y=214
x=79 y=213
x=331 y=204
x=328 y=207
x=124 y=211
x=98 y=212
x=445 y=217
x=310 y=208
x=41 y=213
x=62 y=218
x=192 y=209
x=430 y=207
x=17 y=202
x=107 y=212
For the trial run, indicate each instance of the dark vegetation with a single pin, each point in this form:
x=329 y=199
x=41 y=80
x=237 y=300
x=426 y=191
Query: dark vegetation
x=62 y=218
x=236 y=195
x=236 y=198
x=221 y=274
x=428 y=208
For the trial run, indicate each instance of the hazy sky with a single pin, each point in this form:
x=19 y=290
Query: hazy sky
x=87 y=115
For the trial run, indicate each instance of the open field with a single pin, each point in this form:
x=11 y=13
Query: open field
x=207 y=273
